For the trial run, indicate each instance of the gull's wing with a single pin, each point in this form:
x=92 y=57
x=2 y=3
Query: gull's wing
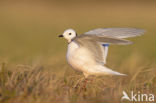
x=104 y=39
x=116 y=32
x=94 y=45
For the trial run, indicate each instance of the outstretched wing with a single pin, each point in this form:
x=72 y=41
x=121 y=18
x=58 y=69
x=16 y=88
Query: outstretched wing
x=116 y=32
x=93 y=39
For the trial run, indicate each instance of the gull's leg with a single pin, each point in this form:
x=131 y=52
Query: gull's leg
x=105 y=52
x=85 y=81
x=78 y=83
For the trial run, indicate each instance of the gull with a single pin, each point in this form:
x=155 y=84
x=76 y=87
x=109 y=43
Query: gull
x=87 y=52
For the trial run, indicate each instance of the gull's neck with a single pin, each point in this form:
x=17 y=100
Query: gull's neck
x=70 y=40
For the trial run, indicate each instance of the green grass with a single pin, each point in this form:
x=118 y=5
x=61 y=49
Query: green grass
x=33 y=68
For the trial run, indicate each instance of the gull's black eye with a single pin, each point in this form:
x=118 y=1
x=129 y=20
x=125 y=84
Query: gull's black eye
x=70 y=33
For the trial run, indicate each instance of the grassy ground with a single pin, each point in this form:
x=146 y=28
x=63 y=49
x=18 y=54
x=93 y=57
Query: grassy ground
x=33 y=68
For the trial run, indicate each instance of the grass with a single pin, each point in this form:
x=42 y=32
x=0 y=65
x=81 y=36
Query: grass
x=33 y=68
x=39 y=84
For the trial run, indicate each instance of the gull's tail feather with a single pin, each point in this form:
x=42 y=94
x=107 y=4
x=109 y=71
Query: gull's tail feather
x=117 y=73
x=104 y=70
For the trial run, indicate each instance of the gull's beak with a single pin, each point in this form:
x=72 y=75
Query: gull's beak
x=60 y=36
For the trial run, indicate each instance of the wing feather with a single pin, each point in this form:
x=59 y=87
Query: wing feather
x=104 y=39
x=116 y=32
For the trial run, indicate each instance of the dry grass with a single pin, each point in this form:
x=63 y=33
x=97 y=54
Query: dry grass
x=29 y=84
x=33 y=68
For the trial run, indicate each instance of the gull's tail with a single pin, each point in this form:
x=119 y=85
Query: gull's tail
x=104 y=70
x=117 y=73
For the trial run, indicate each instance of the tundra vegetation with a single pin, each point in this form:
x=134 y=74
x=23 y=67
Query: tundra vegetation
x=33 y=67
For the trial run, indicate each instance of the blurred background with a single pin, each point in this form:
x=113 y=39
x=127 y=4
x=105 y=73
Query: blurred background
x=29 y=28
x=33 y=67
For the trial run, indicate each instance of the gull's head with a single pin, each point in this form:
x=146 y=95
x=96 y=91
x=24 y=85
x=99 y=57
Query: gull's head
x=69 y=34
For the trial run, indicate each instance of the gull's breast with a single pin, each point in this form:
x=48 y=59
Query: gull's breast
x=78 y=57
